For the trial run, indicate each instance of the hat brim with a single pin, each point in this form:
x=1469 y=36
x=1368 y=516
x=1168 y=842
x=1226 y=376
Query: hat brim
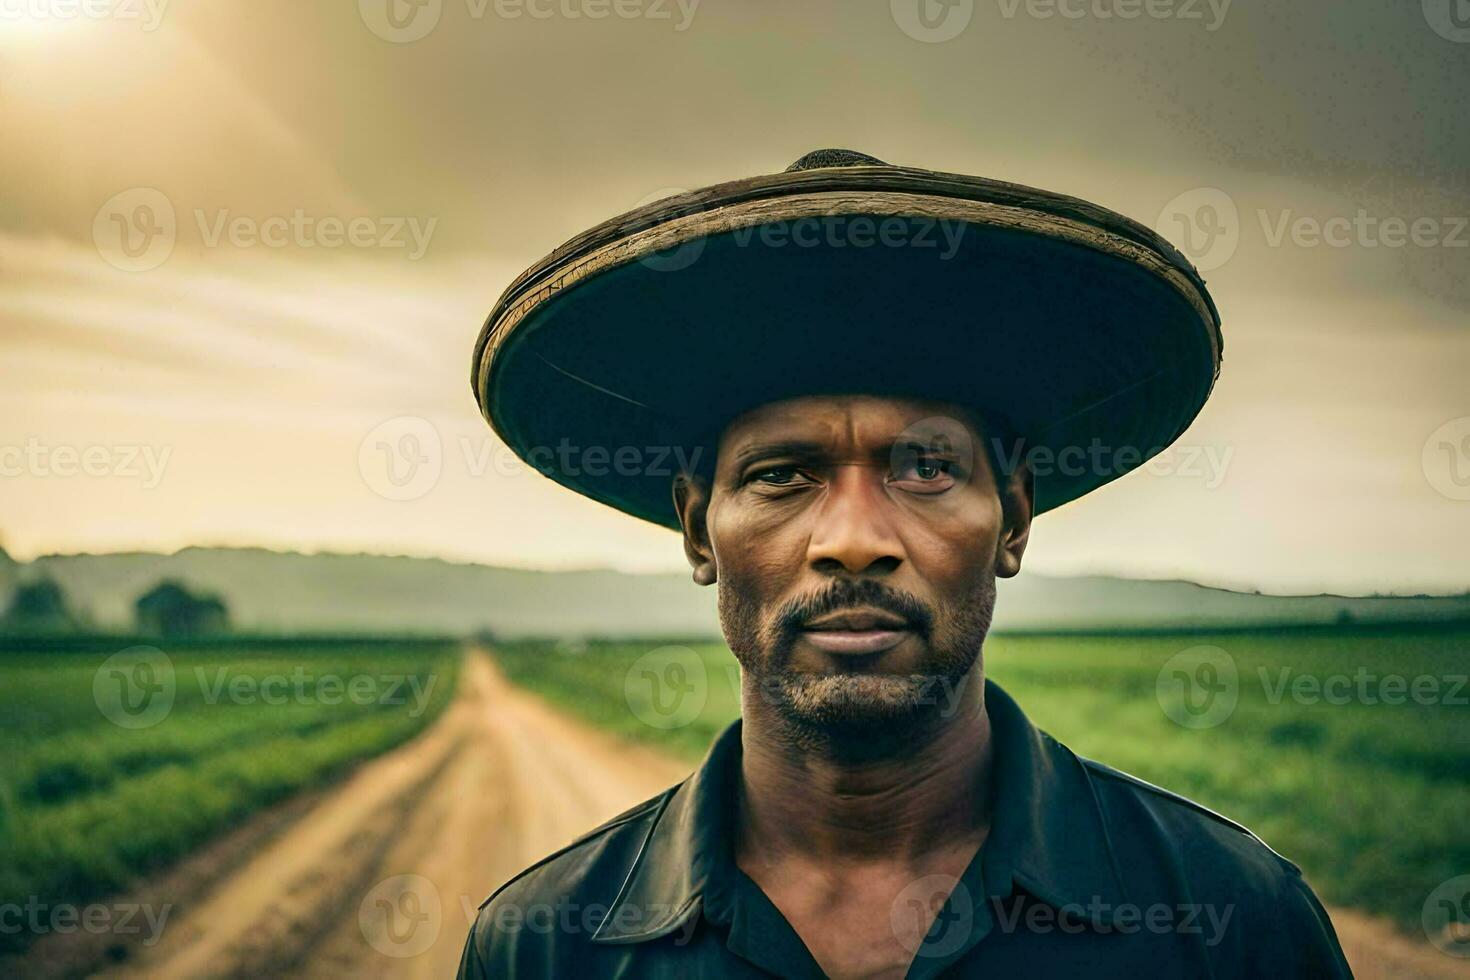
x=611 y=363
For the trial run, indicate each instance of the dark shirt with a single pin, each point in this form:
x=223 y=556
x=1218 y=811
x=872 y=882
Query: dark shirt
x=1087 y=872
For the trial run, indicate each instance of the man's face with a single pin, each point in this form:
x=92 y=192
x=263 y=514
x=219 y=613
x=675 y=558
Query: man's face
x=855 y=541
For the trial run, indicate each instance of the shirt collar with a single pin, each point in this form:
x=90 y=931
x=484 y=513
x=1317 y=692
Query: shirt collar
x=1049 y=835
x=689 y=843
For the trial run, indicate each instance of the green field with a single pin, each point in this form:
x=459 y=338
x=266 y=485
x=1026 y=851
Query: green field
x=1371 y=799
x=108 y=775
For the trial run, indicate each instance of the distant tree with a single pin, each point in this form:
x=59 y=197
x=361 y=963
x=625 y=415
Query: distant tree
x=169 y=609
x=38 y=605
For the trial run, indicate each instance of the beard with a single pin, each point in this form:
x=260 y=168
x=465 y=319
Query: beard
x=869 y=712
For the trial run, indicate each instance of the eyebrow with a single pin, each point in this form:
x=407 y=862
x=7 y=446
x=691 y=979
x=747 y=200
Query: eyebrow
x=784 y=447
x=807 y=449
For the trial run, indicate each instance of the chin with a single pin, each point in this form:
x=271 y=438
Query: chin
x=851 y=703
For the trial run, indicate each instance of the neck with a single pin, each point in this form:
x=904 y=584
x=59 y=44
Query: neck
x=806 y=798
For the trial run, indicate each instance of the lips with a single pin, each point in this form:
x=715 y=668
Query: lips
x=857 y=631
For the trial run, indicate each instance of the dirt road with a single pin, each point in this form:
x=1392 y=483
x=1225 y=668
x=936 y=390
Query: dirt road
x=382 y=875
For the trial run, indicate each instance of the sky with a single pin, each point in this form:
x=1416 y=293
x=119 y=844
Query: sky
x=245 y=250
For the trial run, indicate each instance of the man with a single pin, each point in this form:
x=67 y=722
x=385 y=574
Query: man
x=871 y=377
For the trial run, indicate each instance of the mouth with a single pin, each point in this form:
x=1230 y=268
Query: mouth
x=857 y=631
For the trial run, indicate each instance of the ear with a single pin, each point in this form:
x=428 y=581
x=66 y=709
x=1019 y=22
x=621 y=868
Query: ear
x=1018 y=502
x=691 y=500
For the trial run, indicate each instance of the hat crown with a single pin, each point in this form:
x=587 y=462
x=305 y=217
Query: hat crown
x=817 y=159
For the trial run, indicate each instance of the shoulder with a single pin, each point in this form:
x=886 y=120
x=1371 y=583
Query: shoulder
x=1139 y=809
x=561 y=897
x=1254 y=902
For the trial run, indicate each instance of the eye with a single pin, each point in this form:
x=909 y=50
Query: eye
x=924 y=474
x=776 y=476
x=930 y=469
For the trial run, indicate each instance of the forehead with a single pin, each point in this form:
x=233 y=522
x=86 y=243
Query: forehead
x=838 y=421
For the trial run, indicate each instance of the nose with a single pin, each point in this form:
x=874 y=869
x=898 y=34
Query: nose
x=852 y=529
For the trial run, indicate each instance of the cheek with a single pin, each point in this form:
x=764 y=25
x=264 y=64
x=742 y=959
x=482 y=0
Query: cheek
x=754 y=553
x=954 y=549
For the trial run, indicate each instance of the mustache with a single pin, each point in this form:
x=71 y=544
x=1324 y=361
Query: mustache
x=848 y=593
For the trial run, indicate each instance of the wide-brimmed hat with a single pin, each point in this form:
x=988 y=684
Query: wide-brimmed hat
x=622 y=354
